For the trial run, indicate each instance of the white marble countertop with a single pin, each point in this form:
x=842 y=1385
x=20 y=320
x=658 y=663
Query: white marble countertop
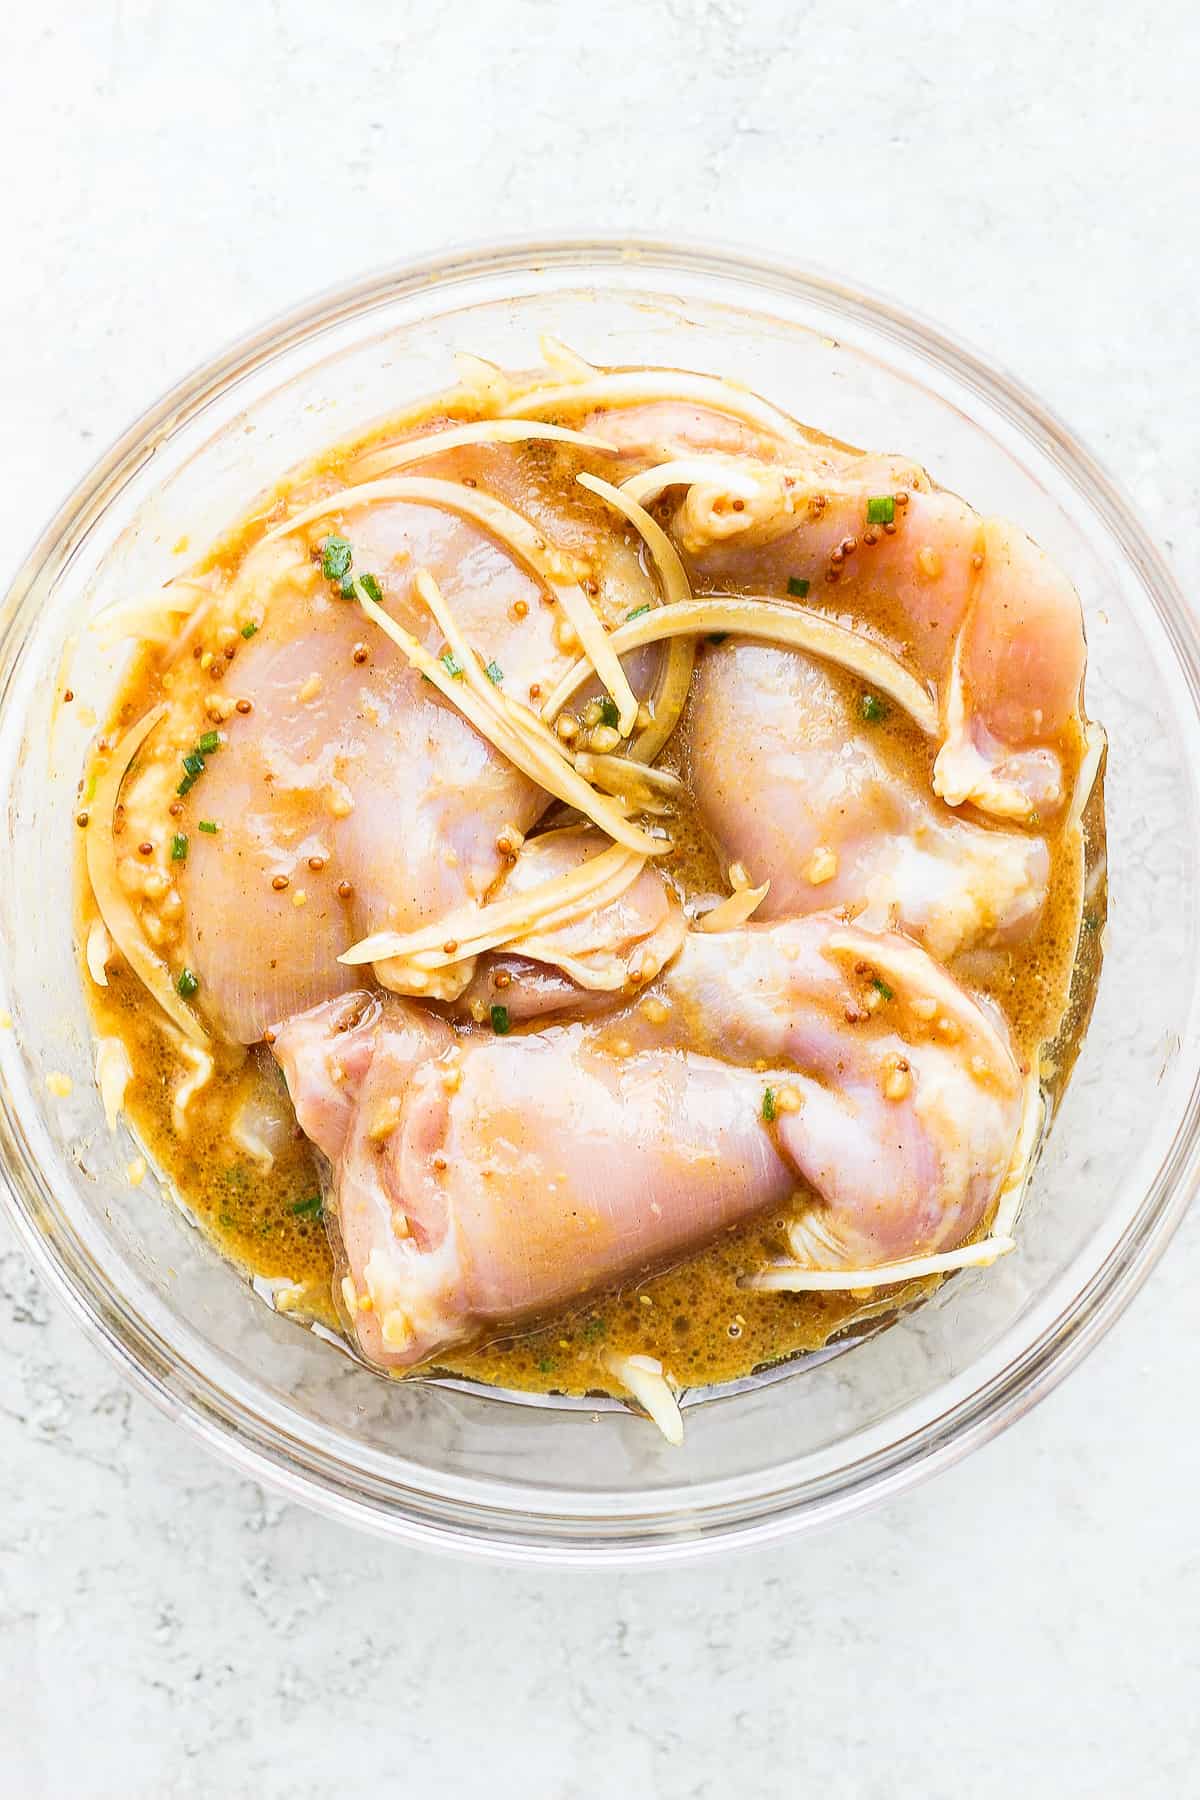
x=1027 y=1623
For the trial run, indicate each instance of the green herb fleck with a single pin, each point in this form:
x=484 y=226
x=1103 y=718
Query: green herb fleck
x=881 y=509
x=187 y=984
x=798 y=585
x=193 y=763
x=336 y=557
x=637 y=612
x=452 y=667
x=608 y=712
x=208 y=825
x=768 y=1106
x=179 y=847
x=501 y=1023
x=717 y=637
x=210 y=742
x=249 y=628
x=1091 y=921
x=873 y=709
x=370 y=587
x=311 y=1207
x=495 y=673
x=595 y=1328
x=546 y=1365
x=881 y=988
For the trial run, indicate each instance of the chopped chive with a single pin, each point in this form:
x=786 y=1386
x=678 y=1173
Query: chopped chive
x=210 y=742
x=452 y=667
x=717 y=637
x=372 y=588
x=501 y=1023
x=186 y=985
x=798 y=585
x=872 y=709
x=208 y=825
x=179 y=847
x=249 y=628
x=881 y=988
x=193 y=763
x=881 y=509
x=186 y=785
x=336 y=557
x=545 y=1365
x=638 y=611
x=495 y=673
x=345 y=586
x=311 y=1207
x=768 y=1110
x=608 y=712
x=595 y=1328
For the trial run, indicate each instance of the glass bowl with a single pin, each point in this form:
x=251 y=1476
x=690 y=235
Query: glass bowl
x=444 y=1463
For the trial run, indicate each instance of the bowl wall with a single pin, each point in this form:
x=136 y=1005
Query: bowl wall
x=445 y=1462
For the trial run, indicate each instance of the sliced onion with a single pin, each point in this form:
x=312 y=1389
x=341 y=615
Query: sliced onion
x=772 y=622
x=111 y=899
x=483 y=431
x=472 y=930
x=793 y=1278
x=114 y=1072
x=1016 y=1181
x=644 y=1378
x=676 y=678
x=99 y=949
x=685 y=471
x=735 y=909
x=630 y=387
x=203 y=1068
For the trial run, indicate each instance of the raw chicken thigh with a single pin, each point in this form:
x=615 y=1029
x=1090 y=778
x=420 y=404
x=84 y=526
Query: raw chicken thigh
x=808 y=799
x=983 y=611
x=478 y=1180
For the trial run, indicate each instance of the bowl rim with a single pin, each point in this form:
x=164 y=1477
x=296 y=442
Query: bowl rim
x=256 y=1446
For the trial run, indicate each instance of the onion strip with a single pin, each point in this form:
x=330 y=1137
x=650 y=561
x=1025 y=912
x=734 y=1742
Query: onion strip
x=676 y=678
x=1012 y=1189
x=735 y=909
x=643 y=1377
x=525 y=749
x=630 y=387
x=112 y=901
x=641 y=787
x=792 y=1278
x=472 y=930
x=772 y=622
x=688 y=471
x=483 y=431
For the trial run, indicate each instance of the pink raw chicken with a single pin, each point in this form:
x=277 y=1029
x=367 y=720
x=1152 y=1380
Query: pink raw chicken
x=979 y=607
x=811 y=801
x=481 y=1180
x=359 y=764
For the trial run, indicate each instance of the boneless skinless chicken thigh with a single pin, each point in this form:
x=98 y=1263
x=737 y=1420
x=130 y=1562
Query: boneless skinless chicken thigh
x=534 y=1055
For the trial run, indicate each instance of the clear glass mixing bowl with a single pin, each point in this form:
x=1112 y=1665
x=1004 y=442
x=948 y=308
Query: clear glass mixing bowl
x=444 y=1463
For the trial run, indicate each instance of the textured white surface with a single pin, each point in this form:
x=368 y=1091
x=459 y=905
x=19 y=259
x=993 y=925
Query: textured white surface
x=1027 y=176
